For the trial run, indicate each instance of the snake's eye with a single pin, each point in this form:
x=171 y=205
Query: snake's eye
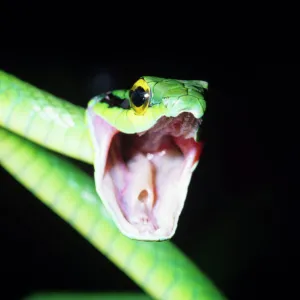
x=140 y=97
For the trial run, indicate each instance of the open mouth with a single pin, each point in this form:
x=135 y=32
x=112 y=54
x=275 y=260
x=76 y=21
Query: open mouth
x=143 y=178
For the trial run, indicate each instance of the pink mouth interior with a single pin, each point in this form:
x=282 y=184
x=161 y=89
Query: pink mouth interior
x=145 y=166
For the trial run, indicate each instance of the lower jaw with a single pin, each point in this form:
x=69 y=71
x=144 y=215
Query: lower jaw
x=149 y=189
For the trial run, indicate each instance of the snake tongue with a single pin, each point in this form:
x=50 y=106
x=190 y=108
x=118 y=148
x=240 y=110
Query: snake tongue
x=143 y=178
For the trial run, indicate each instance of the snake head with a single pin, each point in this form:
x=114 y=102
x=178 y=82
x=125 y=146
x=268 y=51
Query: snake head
x=146 y=149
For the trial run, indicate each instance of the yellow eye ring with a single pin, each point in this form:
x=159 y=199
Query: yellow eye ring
x=140 y=96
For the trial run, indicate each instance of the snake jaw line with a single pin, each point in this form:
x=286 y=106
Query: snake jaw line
x=143 y=178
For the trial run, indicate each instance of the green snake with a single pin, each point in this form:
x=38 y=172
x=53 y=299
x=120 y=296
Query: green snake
x=144 y=145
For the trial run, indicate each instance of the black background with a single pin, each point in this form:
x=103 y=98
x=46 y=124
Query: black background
x=232 y=224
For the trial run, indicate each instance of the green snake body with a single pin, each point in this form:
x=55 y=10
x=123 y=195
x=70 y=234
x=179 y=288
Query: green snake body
x=44 y=119
x=160 y=269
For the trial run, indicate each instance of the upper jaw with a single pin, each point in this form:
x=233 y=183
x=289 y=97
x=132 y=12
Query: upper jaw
x=114 y=110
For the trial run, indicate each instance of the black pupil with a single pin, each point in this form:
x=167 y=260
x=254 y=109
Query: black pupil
x=138 y=96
